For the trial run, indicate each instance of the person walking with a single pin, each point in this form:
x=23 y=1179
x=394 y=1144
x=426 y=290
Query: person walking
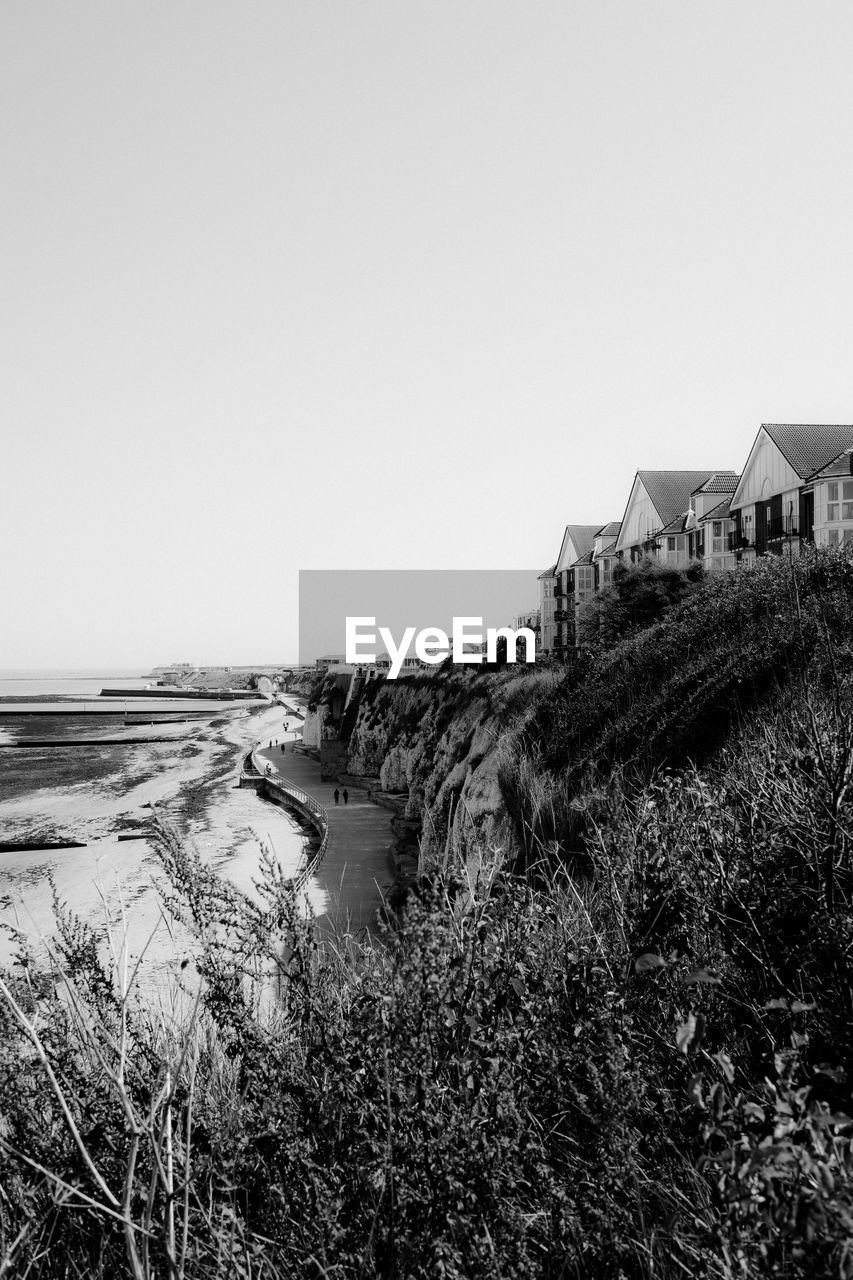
x=337 y=795
x=346 y=795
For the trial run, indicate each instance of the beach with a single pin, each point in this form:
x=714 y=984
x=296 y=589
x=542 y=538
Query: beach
x=103 y=796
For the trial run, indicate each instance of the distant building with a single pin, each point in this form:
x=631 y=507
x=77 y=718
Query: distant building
x=547 y=605
x=330 y=660
x=531 y=620
x=575 y=583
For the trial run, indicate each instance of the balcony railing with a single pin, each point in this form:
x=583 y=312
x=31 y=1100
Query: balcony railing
x=739 y=543
x=561 y=615
x=776 y=528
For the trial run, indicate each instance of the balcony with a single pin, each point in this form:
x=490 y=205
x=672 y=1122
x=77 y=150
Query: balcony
x=776 y=528
x=739 y=543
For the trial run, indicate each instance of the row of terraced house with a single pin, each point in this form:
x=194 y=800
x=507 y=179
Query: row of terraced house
x=796 y=488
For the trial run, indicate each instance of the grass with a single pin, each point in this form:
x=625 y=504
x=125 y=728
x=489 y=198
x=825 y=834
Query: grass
x=633 y=1060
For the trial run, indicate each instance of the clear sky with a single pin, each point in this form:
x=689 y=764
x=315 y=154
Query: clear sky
x=346 y=284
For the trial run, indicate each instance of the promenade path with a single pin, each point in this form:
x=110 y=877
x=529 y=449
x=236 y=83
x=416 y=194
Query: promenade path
x=357 y=869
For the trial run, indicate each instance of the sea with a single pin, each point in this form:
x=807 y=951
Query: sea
x=42 y=682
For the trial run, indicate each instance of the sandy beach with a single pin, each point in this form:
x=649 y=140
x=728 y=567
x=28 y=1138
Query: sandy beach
x=96 y=794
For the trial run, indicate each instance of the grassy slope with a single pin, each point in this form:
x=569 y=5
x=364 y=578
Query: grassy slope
x=641 y=1070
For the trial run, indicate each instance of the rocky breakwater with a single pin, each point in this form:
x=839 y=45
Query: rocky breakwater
x=434 y=746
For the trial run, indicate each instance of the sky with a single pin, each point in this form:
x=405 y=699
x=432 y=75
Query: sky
x=343 y=284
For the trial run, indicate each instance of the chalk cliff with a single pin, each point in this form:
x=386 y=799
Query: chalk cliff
x=439 y=740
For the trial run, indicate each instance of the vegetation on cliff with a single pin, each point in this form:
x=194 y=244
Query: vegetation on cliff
x=634 y=1060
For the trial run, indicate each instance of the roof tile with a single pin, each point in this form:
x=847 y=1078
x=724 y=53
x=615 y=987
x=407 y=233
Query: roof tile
x=719 y=482
x=809 y=446
x=582 y=536
x=670 y=491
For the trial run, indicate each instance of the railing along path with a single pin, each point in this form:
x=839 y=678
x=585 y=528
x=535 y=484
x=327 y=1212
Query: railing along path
x=288 y=790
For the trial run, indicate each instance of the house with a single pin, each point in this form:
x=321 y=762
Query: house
x=531 y=620
x=773 y=506
x=713 y=537
x=831 y=492
x=604 y=556
x=710 y=541
x=330 y=660
x=547 y=604
x=575 y=583
x=660 y=516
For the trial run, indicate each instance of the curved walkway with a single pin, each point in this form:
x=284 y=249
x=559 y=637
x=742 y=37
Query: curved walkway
x=357 y=868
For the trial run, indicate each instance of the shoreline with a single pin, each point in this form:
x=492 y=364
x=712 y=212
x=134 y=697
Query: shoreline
x=190 y=782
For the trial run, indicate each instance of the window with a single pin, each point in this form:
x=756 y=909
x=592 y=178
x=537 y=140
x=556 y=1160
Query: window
x=845 y=504
x=670 y=544
x=718 y=542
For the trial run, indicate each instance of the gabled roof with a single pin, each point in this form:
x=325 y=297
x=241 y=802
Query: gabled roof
x=719 y=482
x=720 y=512
x=808 y=446
x=841 y=465
x=585 y=559
x=805 y=449
x=609 y=530
x=679 y=525
x=670 y=491
x=609 y=549
x=582 y=537
x=547 y=573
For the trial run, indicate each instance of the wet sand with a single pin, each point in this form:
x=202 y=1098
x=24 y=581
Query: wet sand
x=188 y=782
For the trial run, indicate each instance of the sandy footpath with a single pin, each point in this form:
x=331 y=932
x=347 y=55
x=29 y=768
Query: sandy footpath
x=190 y=783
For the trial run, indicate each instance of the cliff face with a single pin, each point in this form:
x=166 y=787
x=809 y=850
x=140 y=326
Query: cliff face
x=439 y=739
x=306 y=684
x=326 y=697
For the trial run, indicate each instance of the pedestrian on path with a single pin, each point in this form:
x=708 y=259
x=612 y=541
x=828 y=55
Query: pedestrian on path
x=337 y=795
x=346 y=795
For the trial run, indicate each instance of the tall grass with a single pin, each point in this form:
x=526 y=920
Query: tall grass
x=632 y=1062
